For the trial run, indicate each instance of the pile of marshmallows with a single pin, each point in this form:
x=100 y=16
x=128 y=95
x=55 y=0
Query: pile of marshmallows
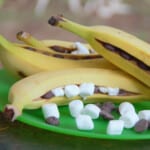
x=85 y=114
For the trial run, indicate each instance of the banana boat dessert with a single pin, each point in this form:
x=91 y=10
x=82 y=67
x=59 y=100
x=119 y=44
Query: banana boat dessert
x=120 y=48
x=57 y=46
x=25 y=60
x=60 y=87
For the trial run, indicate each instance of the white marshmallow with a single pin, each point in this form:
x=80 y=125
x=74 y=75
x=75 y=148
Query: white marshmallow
x=75 y=107
x=125 y=107
x=144 y=114
x=81 y=49
x=86 y=89
x=115 y=127
x=113 y=91
x=58 y=91
x=103 y=89
x=71 y=90
x=50 y=110
x=92 y=110
x=74 y=52
x=84 y=122
x=130 y=119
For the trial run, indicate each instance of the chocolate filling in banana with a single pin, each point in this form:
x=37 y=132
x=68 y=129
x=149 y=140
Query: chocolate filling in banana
x=97 y=90
x=125 y=55
x=63 y=49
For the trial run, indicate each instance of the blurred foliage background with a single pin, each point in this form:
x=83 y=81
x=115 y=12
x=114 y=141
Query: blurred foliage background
x=32 y=16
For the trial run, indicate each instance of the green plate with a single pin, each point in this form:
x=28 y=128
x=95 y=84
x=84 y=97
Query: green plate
x=67 y=123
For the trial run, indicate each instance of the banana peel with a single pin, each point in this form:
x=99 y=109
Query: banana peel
x=120 y=48
x=28 y=92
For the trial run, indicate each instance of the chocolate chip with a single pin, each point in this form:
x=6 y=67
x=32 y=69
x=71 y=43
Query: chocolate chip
x=106 y=115
x=96 y=89
x=53 y=121
x=141 y=125
x=48 y=95
x=8 y=114
x=108 y=106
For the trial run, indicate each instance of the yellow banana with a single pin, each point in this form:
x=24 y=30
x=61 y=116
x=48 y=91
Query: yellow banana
x=120 y=48
x=23 y=61
x=53 y=49
x=29 y=92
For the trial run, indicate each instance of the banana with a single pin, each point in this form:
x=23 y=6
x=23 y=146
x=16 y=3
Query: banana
x=53 y=49
x=24 y=62
x=120 y=48
x=54 y=46
x=29 y=93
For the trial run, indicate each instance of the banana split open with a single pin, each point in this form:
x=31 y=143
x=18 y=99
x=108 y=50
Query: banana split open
x=87 y=84
x=120 y=48
x=24 y=60
x=58 y=48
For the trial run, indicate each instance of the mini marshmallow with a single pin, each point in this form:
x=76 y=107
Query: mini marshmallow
x=81 y=49
x=58 y=91
x=103 y=89
x=115 y=127
x=84 y=122
x=144 y=114
x=86 y=89
x=74 y=52
x=50 y=110
x=75 y=107
x=130 y=119
x=71 y=90
x=125 y=107
x=92 y=110
x=113 y=91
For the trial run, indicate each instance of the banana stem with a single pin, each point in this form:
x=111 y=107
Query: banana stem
x=30 y=40
x=73 y=27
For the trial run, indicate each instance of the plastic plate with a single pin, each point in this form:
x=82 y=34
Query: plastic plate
x=67 y=123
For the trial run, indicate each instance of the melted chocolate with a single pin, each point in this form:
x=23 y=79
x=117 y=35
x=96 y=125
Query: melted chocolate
x=61 y=49
x=63 y=56
x=124 y=54
x=122 y=92
x=48 y=95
